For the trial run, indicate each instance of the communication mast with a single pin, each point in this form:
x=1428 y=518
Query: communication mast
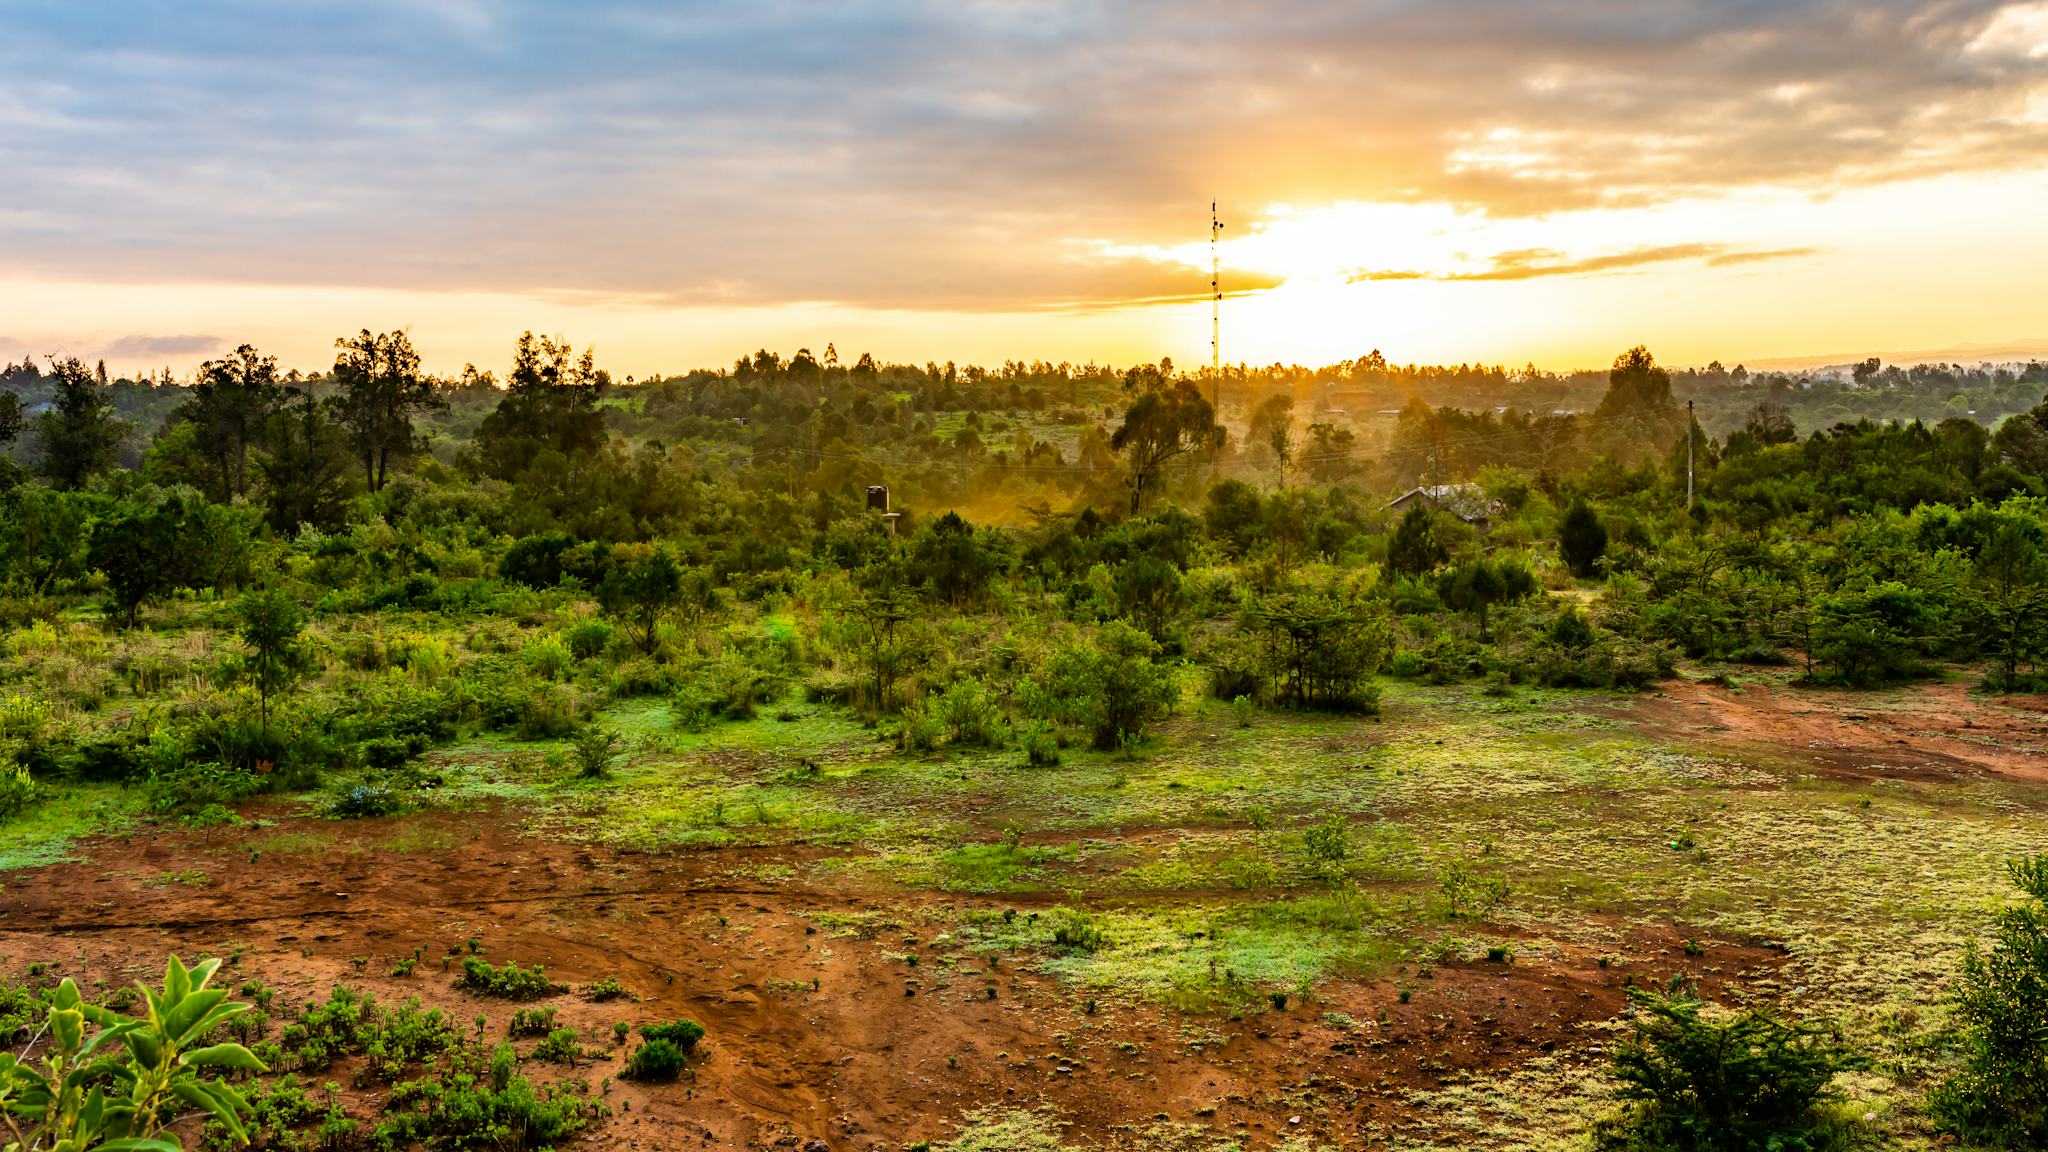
x=1215 y=306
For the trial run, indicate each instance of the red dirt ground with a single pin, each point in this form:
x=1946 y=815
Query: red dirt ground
x=1939 y=731
x=879 y=1055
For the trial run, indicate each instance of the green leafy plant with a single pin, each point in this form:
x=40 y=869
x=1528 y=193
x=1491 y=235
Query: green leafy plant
x=121 y=1086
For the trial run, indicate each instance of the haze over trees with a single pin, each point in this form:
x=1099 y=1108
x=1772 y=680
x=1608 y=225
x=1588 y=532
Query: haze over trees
x=291 y=579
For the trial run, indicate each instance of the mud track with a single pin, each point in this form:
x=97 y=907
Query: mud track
x=876 y=1054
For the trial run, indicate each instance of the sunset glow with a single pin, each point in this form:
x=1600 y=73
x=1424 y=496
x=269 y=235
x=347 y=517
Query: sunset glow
x=1550 y=183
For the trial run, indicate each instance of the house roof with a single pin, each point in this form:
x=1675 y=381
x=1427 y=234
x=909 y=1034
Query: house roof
x=1468 y=502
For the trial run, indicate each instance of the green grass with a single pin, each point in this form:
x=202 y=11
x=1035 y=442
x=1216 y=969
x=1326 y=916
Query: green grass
x=47 y=831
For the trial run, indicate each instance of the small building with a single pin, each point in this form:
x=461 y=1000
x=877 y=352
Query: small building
x=1468 y=502
x=878 y=501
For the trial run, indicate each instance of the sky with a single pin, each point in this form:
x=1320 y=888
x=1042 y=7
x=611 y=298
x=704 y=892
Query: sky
x=1506 y=181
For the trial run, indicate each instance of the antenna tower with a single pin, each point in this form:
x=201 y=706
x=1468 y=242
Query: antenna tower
x=1215 y=305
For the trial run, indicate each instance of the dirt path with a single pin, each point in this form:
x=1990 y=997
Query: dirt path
x=874 y=1054
x=1928 y=731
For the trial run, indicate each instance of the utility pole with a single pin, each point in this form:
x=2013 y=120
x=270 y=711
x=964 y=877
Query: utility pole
x=1688 y=456
x=1215 y=308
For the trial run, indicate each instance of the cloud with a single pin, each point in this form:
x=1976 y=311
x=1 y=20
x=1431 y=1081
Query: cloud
x=1535 y=263
x=143 y=347
x=914 y=154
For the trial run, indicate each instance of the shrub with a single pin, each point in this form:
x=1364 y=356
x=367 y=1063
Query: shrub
x=550 y=712
x=385 y=753
x=1741 y=1082
x=1581 y=538
x=2000 y=1095
x=684 y=1034
x=1073 y=931
x=1318 y=648
x=559 y=1048
x=665 y=1051
x=365 y=800
x=195 y=786
x=656 y=1060
x=1326 y=844
x=17 y=790
x=1565 y=659
x=970 y=714
x=722 y=688
x=1112 y=685
x=510 y=982
x=1041 y=745
x=479 y=1104
x=531 y=1022
x=588 y=638
x=548 y=658
x=1466 y=891
x=831 y=686
x=607 y=988
x=595 y=749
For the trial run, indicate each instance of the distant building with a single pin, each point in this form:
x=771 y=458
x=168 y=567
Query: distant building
x=1468 y=502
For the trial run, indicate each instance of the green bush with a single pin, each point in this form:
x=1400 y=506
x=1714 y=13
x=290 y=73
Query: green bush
x=510 y=982
x=588 y=638
x=1074 y=931
x=17 y=789
x=1112 y=685
x=831 y=686
x=560 y=1047
x=365 y=800
x=531 y=1022
x=191 y=787
x=479 y=1104
x=1726 y=1082
x=727 y=687
x=548 y=658
x=550 y=711
x=1999 y=1096
x=1317 y=648
x=595 y=747
x=684 y=1034
x=656 y=1060
x=1041 y=745
x=970 y=714
x=666 y=1050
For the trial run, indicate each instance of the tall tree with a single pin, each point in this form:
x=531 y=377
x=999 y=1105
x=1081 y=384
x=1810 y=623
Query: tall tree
x=231 y=401
x=1272 y=425
x=1581 y=538
x=1416 y=547
x=550 y=404
x=271 y=622
x=1166 y=419
x=2010 y=604
x=1637 y=418
x=305 y=469
x=137 y=549
x=382 y=390
x=640 y=592
x=11 y=419
x=81 y=436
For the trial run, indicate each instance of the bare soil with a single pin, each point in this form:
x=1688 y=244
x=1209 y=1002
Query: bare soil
x=1936 y=731
x=876 y=1054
